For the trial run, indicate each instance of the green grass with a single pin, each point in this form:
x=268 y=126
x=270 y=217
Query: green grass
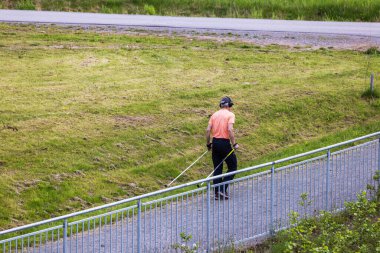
x=339 y=10
x=104 y=116
x=369 y=94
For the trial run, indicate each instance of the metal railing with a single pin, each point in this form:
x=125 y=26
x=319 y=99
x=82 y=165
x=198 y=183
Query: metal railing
x=259 y=205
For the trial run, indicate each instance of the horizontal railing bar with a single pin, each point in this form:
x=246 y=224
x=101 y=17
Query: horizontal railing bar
x=102 y=215
x=354 y=147
x=185 y=185
x=174 y=196
x=243 y=178
x=31 y=234
x=299 y=163
x=327 y=148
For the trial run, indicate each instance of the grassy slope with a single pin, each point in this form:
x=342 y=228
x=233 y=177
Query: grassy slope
x=103 y=116
x=342 y=10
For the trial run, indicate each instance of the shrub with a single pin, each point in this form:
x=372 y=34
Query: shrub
x=357 y=230
x=25 y=5
x=149 y=9
x=372 y=51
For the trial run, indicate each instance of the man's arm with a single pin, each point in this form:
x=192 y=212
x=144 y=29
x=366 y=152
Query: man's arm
x=232 y=135
x=208 y=134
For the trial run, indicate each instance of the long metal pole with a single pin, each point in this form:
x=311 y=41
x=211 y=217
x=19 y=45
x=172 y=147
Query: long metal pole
x=327 y=179
x=191 y=165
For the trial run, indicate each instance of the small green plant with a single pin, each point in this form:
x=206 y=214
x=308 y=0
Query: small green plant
x=372 y=51
x=226 y=246
x=149 y=9
x=368 y=93
x=372 y=189
x=105 y=9
x=184 y=245
x=25 y=5
x=357 y=230
x=305 y=203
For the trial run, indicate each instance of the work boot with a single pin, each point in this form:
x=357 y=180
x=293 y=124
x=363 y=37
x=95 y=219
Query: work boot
x=223 y=195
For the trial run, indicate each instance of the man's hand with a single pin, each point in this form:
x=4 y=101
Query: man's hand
x=209 y=146
x=235 y=146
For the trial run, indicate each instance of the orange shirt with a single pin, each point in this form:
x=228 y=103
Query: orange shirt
x=219 y=123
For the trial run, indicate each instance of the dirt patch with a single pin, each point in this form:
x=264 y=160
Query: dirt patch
x=122 y=121
x=295 y=40
x=31 y=183
x=195 y=111
x=59 y=177
x=83 y=203
x=9 y=127
x=300 y=41
x=24 y=185
x=92 y=61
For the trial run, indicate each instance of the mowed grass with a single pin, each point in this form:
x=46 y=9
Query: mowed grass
x=338 y=10
x=88 y=118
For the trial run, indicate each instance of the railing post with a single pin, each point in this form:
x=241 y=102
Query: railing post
x=139 y=226
x=208 y=216
x=64 y=236
x=378 y=157
x=271 y=228
x=378 y=164
x=327 y=179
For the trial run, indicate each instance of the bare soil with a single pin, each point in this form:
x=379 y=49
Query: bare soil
x=296 y=40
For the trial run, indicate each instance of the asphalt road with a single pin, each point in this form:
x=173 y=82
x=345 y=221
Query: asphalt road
x=192 y=23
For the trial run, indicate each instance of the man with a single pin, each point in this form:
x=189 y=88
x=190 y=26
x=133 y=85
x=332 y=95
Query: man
x=221 y=127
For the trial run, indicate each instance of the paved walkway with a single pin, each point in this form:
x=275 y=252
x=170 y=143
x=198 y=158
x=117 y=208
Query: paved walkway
x=192 y=23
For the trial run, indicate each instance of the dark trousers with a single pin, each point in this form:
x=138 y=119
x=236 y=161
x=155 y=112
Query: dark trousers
x=220 y=149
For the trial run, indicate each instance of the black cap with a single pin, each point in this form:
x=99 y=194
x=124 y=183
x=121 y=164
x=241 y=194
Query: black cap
x=226 y=101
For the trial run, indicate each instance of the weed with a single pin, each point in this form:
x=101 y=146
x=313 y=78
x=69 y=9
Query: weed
x=184 y=245
x=105 y=9
x=149 y=9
